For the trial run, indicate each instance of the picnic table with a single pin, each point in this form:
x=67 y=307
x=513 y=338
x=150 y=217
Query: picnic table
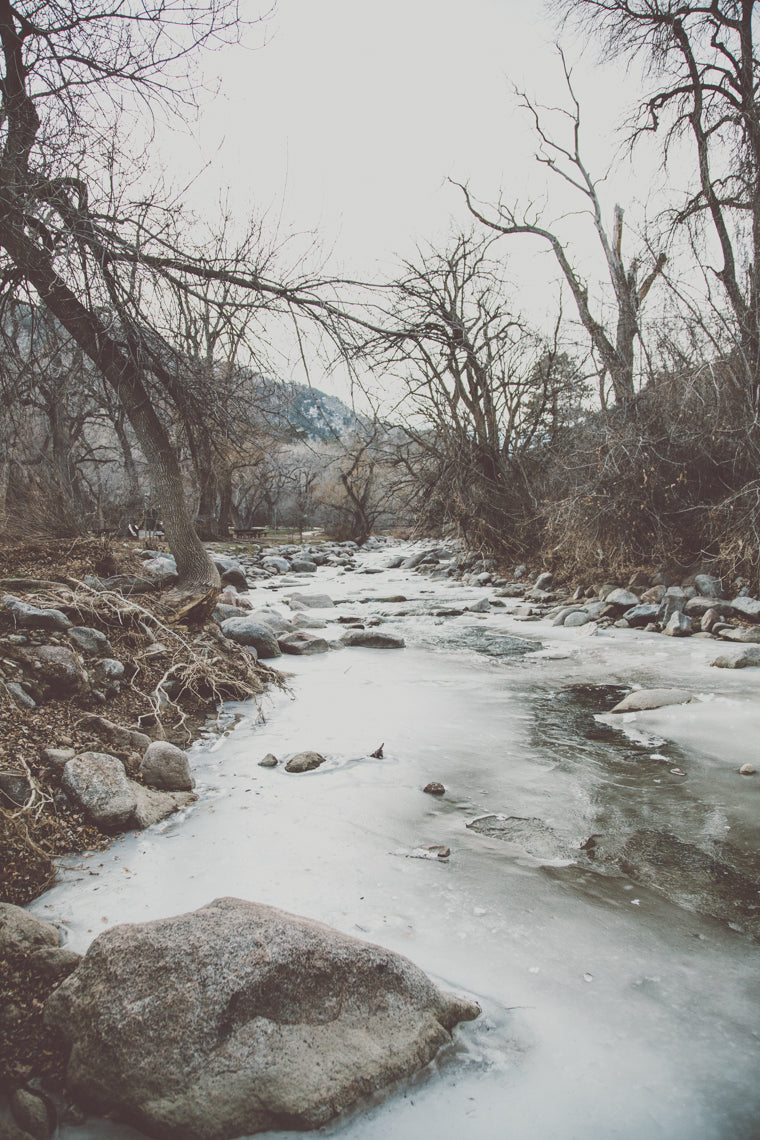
x=248 y=531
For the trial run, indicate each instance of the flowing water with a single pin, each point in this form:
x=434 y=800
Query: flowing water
x=600 y=897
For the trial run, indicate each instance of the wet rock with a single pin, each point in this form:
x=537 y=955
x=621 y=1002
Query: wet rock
x=304 y=762
x=302 y=642
x=372 y=639
x=238 y=1018
x=644 y=699
x=152 y=806
x=434 y=788
x=531 y=834
x=678 y=625
x=26 y=616
x=23 y=932
x=99 y=784
x=748 y=659
x=88 y=640
x=249 y=632
x=311 y=601
x=269 y=761
x=166 y=766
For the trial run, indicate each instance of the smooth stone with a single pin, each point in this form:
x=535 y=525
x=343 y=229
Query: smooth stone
x=312 y=601
x=622 y=598
x=269 y=761
x=305 y=762
x=249 y=632
x=641 y=615
x=576 y=618
x=152 y=806
x=167 y=767
x=747 y=770
x=302 y=643
x=644 y=699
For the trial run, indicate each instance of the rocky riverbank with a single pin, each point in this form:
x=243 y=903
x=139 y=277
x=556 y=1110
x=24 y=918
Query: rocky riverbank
x=272 y=630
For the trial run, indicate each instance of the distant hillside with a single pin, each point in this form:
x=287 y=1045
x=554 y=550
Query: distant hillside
x=307 y=413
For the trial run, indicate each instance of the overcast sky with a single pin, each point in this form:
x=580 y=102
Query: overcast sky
x=348 y=117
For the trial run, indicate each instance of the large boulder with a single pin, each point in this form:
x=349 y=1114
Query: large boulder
x=238 y=1018
x=748 y=608
x=248 y=631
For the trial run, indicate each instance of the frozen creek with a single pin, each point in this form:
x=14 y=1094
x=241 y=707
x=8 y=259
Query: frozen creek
x=609 y=1010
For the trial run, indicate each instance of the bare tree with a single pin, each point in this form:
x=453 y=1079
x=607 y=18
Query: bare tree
x=564 y=159
x=484 y=396
x=704 y=73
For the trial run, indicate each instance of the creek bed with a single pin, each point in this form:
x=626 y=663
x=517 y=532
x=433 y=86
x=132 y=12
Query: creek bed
x=615 y=1002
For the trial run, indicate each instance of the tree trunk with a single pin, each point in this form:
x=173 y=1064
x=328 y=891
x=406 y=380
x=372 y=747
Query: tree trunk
x=197 y=573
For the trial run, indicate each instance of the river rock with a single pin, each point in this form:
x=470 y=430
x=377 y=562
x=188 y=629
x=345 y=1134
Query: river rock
x=99 y=784
x=641 y=615
x=152 y=806
x=699 y=605
x=308 y=621
x=708 y=585
x=303 y=566
x=277 y=564
x=166 y=766
x=302 y=642
x=88 y=640
x=678 y=625
x=117 y=734
x=274 y=619
x=434 y=788
x=311 y=601
x=163 y=568
x=622 y=599
x=746 y=634
x=58 y=669
x=269 y=761
x=544 y=581
x=27 y=616
x=750 y=657
x=235 y=576
x=23 y=932
x=248 y=631
x=748 y=608
x=223 y=611
x=372 y=639
x=481 y=607
x=304 y=762
x=238 y=1018
x=644 y=699
x=576 y=618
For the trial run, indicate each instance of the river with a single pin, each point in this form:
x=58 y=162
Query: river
x=614 y=1004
